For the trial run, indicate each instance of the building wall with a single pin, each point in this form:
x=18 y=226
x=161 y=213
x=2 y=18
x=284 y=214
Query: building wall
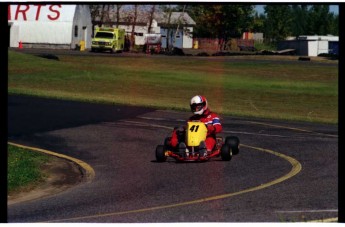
x=49 y=26
x=312 y=48
x=43 y=32
x=188 y=37
x=179 y=39
x=82 y=19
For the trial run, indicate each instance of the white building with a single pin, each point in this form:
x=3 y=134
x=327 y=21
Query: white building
x=49 y=26
x=312 y=45
x=180 y=34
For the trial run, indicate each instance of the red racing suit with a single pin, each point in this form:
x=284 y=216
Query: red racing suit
x=213 y=124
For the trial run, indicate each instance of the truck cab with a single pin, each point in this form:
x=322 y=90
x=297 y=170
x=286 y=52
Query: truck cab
x=108 y=39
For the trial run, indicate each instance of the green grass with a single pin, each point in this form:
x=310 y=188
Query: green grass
x=264 y=46
x=24 y=168
x=307 y=92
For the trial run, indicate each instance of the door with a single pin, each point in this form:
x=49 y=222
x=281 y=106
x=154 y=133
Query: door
x=177 y=38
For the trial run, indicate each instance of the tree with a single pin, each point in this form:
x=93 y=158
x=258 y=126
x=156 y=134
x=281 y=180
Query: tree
x=221 y=20
x=278 y=22
x=168 y=10
x=258 y=23
x=334 y=27
x=151 y=17
x=102 y=14
x=134 y=22
x=118 y=8
x=300 y=20
x=284 y=20
x=238 y=19
x=99 y=14
x=320 y=20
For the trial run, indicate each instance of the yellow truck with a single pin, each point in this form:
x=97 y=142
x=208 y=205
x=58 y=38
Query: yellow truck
x=112 y=39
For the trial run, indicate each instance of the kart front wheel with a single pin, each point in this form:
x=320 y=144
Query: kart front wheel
x=226 y=153
x=233 y=142
x=160 y=154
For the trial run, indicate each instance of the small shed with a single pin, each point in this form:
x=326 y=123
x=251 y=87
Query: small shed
x=49 y=26
x=311 y=45
x=176 y=32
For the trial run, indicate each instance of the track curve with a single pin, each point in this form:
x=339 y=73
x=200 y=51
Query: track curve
x=131 y=187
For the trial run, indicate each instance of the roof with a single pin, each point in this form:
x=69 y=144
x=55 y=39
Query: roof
x=176 y=17
x=319 y=37
x=143 y=18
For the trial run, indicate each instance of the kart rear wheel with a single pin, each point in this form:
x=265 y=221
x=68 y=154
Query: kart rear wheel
x=160 y=154
x=226 y=153
x=233 y=142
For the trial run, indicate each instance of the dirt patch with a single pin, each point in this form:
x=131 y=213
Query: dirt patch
x=60 y=175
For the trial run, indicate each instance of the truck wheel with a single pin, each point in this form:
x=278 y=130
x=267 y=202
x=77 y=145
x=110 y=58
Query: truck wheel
x=160 y=154
x=225 y=153
x=233 y=142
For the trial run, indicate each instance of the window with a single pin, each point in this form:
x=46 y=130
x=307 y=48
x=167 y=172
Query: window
x=106 y=35
x=76 y=31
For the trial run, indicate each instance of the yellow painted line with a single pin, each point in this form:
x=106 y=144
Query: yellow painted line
x=291 y=128
x=296 y=168
x=325 y=220
x=89 y=172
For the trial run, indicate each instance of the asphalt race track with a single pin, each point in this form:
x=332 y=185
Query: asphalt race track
x=285 y=171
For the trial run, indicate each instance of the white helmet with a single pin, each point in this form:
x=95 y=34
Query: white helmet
x=198 y=104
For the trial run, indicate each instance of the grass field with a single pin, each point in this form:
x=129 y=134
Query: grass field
x=307 y=92
x=23 y=169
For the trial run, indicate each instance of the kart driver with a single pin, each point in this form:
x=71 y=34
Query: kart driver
x=202 y=113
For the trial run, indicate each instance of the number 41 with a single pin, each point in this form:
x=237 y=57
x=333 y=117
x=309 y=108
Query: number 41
x=194 y=128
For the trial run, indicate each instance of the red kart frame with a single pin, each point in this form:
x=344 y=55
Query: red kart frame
x=192 y=156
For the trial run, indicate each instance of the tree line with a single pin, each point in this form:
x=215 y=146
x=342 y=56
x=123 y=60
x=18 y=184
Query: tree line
x=225 y=21
x=276 y=23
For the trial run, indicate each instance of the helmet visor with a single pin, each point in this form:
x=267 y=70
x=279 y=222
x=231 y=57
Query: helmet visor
x=196 y=107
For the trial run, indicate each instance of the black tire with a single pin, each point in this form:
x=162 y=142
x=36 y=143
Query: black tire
x=160 y=154
x=225 y=153
x=233 y=142
x=167 y=144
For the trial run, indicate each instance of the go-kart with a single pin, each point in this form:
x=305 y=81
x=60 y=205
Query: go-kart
x=194 y=135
